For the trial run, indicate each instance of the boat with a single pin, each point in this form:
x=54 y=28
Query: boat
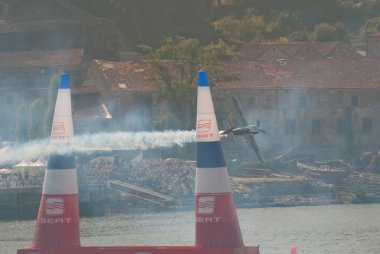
x=330 y=170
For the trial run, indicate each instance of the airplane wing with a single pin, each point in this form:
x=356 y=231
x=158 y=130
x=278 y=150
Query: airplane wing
x=249 y=137
x=240 y=110
x=252 y=142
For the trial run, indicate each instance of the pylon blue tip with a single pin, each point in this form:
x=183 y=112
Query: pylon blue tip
x=202 y=78
x=65 y=81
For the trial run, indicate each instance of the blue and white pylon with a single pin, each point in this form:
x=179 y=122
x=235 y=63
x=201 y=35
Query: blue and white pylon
x=217 y=224
x=58 y=216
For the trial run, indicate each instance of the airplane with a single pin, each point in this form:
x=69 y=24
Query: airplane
x=247 y=131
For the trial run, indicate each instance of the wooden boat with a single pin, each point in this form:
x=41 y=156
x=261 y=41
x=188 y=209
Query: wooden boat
x=332 y=170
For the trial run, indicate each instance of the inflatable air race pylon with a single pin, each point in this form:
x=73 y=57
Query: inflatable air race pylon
x=58 y=216
x=217 y=225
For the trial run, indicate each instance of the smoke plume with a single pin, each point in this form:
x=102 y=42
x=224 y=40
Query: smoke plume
x=100 y=141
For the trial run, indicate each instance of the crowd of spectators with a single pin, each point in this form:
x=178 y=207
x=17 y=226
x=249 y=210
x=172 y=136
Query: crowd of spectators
x=17 y=180
x=171 y=176
x=99 y=170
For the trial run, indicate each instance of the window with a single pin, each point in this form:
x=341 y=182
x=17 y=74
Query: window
x=302 y=102
x=251 y=102
x=290 y=128
x=367 y=125
x=340 y=126
x=10 y=99
x=354 y=101
x=316 y=127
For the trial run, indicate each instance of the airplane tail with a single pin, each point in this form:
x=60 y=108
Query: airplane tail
x=57 y=224
x=217 y=224
x=227 y=126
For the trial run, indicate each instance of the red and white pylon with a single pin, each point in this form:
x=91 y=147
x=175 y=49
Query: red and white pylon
x=58 y=216
x=217 y=224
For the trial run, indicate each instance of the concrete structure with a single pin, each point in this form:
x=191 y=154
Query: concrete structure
x=319 y=103
x=126 y=90
x=309 y=94
x=59 y=24
x=25 y=76
x=373 y=45
x=326 y=102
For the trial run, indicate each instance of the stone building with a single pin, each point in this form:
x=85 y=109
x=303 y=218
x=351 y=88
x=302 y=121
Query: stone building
x=39 y=25
x=373 y=45
x=119 y=96
x=324 y=102
x=320 y=103
x=40 y=38
x=313 y=95
x=24 y=77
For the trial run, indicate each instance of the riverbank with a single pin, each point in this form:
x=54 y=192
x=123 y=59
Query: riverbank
x=275 y=190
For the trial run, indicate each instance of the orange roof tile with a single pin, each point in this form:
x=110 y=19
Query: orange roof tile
x=274 y=74
x=324 y=48
x=255 y=51
x=298 y=73
x=131 y=76
x=291 y=48
x=41 y=58
x=84 y=89
x=375 y=34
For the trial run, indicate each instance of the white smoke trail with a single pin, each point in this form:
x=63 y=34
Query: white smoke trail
x=100 y=141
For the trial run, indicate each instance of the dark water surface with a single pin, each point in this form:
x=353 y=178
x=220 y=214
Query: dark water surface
x=338 y=229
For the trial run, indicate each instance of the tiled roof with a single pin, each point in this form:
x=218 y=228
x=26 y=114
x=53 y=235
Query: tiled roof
x=324 y=48
x=40 y=58
x=36 y=25
x=306 y=73
x=33 y=10
x=375 y=34
x=84 y=89
x=291 y=48
x=256 y=51
x=253 y=51
x=131 y=76
x=274 y=74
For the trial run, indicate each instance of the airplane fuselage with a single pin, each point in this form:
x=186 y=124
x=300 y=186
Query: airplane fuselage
x=253 y=129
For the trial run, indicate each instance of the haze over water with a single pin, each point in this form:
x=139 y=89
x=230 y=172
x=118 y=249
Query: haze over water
x=335 y=229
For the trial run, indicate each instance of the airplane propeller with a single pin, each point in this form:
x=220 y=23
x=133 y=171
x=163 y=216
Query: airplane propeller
x=258 y=126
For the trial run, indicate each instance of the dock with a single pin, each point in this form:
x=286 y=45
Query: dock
x=140 y=194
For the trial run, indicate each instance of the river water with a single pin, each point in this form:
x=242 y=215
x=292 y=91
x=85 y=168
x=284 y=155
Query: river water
x=334 y=229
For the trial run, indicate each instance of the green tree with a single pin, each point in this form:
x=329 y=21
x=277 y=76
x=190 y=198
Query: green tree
x=300 y=35
x=178 y=60
x=328 y=32
x=21 y=129
x=146 y=21
x=227 y=28
x=35 y=121
x=370 y=26
x=252 y=28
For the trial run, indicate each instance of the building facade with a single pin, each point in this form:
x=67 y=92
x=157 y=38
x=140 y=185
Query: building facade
x=325 y=102
x=319 y=97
